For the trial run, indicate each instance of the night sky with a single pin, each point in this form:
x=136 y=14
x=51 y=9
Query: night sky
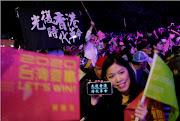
x=108 y=16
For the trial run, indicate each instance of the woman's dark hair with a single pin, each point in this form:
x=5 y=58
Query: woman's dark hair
x=134 y=88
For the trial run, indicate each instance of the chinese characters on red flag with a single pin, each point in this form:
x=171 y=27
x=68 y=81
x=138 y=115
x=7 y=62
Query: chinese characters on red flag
x=155 y=110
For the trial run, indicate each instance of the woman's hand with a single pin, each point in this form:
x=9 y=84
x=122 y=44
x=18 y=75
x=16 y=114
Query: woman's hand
x=95 y=98
x=141 y=111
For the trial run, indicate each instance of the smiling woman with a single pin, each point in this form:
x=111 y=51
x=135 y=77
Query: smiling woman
x=118 y=71
x=119 y=77
x=111 y=107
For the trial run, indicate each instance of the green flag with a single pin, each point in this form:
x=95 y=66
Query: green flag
x=160 y=86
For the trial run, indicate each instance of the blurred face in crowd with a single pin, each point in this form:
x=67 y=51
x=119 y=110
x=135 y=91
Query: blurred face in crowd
x=130 y=35
x=178 y=40
x=133 y=50
x=68 y=48
x=159 y=46
x=147 y=49
x=111 y=49
x=93 y=38
x=123 y=47
x=119 y=76
x=144 y=65
x=178 y=28
x=98 y=71
x=96 y=40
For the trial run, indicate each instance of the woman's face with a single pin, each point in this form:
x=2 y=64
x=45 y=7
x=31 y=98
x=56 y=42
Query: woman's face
x=119 y=76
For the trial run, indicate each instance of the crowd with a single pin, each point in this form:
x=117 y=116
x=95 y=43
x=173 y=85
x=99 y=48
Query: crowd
x=125 y=59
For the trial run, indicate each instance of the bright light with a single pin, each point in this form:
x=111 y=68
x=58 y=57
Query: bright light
x=74 y=36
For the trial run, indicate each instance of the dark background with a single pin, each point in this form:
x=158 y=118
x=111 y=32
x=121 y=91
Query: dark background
x=107 y=15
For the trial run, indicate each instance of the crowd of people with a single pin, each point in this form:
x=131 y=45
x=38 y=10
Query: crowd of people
x=163 y=41
x=125 y=59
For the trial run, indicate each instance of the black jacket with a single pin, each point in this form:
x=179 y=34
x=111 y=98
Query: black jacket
x=109 y=107
x=85 y=99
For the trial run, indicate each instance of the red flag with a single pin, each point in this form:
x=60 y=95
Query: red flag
x=155 y=109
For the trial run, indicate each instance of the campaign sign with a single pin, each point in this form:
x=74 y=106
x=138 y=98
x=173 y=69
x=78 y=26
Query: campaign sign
x=39 y=87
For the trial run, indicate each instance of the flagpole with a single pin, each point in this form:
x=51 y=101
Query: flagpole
x=125 y=22
x=88 y=14
x=148 y=80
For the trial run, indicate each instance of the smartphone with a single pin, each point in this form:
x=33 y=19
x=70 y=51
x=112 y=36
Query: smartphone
x=99 y=88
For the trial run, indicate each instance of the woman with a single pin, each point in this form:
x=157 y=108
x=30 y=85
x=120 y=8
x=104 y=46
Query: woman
x=125 y=90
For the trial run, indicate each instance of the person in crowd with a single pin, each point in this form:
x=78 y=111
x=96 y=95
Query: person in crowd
x=139 y=66
x=157 y=47
x=125 y=90
x=111 y=51
x=90 y=50
x=167 y=48
x=173 y=61
x=94 y=74
x=74 y=50
x=67 y=50
x=128 y=51
x=177 y=42
x=145 y=47
x=102 y=52
x=158 y=34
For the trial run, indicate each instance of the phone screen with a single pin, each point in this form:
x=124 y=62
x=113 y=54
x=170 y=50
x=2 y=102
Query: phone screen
x=97 y=88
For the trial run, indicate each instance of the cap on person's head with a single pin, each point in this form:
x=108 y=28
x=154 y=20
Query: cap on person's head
x=142 y=45
x=100 y=61
x=140 y=56
x=85 y=62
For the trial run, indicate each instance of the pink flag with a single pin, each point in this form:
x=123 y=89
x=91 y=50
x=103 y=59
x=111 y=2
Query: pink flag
x=121 y=43
x=101 y=34
x=138 y=34
x=39 y=87
x=167 y=44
